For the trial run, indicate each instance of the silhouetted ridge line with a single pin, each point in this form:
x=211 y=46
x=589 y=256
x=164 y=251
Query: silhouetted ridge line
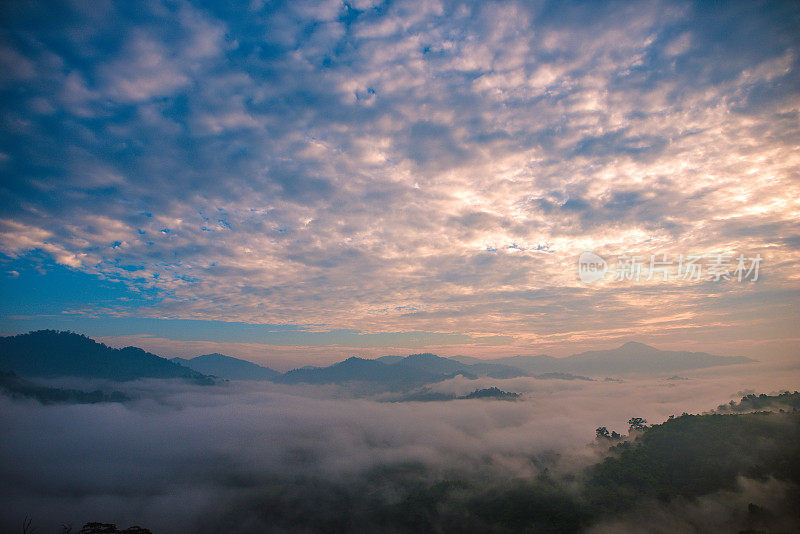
x=50 y=353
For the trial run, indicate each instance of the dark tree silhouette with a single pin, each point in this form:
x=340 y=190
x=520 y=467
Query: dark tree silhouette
x=637 y=423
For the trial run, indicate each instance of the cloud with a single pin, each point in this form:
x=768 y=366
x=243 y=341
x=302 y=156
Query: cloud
x=187 y=458
x=343 y=165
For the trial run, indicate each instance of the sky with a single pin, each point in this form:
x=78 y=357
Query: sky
x=299 y=182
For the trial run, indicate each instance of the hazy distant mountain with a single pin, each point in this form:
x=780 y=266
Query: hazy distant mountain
x=431 y=363
x=530 y=365
x=227 y=367
x=360 y=370
x=397 y=371
x=441 y=365
x=48 y=353
x=641 y=358
x=496 y=370
x=628 y=358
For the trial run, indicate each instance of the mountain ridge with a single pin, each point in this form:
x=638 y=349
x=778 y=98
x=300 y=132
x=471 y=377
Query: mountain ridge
x=51 y=353
x=65 y=353
x=629 y=358
x=227 y=367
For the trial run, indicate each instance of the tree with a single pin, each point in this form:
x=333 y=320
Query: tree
x=602 y=433
x=637 y=424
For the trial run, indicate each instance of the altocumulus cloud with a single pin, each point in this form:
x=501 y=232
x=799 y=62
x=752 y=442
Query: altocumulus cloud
x=401 y=166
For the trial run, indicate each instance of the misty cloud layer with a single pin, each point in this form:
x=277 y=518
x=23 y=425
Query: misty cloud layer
x=188 y=458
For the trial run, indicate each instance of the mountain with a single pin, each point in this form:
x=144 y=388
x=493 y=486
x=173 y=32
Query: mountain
x=227 y=367
x=496 y=370
x=431 y=363
x=641 y=358
x=48 y=353
x=629 y=358
x=440 y=365
x=528 y=365
x=389 y=359
x=361 y=370
x=396 y=371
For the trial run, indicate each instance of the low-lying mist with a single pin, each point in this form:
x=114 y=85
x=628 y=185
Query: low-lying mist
x=255 y=456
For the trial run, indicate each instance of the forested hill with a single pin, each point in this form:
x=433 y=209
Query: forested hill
x=48 y=353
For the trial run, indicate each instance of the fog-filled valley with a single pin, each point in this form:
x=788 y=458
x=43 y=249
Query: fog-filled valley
x=175 y=455
x=399 y=266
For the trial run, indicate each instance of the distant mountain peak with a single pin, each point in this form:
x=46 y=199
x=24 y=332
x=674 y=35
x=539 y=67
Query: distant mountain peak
x=358 y=360
x=229 y=368
x=425 y=356
x=635 y=344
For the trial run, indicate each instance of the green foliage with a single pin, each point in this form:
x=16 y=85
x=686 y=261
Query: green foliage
x=529 y=507
x=789 y=401
x=691 y=456
x=637 y=424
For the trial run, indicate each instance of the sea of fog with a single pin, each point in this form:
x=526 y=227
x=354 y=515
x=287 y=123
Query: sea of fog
x=185 y=458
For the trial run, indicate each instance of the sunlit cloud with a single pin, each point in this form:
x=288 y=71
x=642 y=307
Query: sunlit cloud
x=433 y=167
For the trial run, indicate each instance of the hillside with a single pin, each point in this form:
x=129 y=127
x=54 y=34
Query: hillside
x=432 y=363
x=694 y=455
x=227 y=367
x=48 y=353
x=361 y=370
